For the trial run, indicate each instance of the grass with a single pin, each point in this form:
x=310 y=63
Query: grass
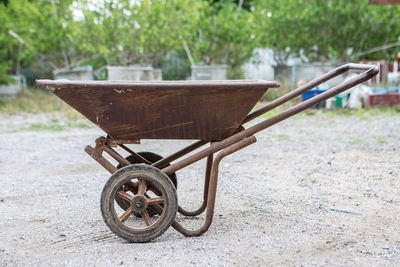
x=36 y=127
x=358 y=141
x=380 y=140
x=274 y=93
x=363 y=114
x=36 y=101
x=39 y=101
x=52 y=127
x=282 y=137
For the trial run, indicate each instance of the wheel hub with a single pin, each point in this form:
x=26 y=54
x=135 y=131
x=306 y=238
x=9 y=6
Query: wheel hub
x=139 y=204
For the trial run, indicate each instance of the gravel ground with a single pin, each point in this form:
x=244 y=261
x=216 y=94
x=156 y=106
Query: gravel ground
x=314 y=190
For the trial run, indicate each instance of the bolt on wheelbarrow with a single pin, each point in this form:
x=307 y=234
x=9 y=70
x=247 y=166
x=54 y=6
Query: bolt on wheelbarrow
x=139 y=202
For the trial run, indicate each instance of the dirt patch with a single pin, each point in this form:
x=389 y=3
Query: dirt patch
x=311 y=191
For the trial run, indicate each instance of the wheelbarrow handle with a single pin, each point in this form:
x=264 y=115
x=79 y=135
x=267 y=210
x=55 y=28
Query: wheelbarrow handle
x=370 y=71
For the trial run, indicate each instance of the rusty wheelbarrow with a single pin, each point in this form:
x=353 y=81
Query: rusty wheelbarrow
x=139 y=202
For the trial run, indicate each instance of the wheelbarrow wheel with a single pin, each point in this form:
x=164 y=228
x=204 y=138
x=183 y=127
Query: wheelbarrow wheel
x=152 y=157
x=123 y=222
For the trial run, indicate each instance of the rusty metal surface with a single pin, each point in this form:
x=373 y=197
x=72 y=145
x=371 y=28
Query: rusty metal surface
x=212 y=188
x=238 y=140
x=139 y=158
x=203 y=206
x=96 y=154
x=199 y=110
x=369 y=72
x=165 y=161
x=327 y=76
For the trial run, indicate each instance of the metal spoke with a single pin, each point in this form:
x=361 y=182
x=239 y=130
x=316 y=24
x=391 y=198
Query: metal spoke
x=126 y=215
x=124 y=195
x=154 y=189
x=131 y=186
x=142 y=187
x=146 y=217
x=157 y=208
x=155 y=200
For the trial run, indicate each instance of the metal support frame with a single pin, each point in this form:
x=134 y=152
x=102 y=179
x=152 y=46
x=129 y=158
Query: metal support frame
x=210 y=181
x=242 y=138
x=212 y=190
x=205 y=194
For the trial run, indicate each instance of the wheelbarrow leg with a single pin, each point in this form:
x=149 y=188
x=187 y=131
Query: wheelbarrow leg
x=212 y=190
x=96 y=154
x=205 y=194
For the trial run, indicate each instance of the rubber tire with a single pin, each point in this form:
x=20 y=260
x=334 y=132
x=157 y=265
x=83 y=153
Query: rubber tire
x=150 y=174
x=152 y=157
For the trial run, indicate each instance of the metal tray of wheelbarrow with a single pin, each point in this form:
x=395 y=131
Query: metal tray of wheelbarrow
x=127 y=110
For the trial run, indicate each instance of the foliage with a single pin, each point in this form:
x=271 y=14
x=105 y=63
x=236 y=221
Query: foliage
x=225 y=34
x=36 y=101
x=67 y=33
x=7 y=45
x=175 y=66
x=329 y=29
x=130 y=33
x=163 y=26
x=45 y=28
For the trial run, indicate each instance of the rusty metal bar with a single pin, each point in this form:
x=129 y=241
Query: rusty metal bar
x=283 y=99
x=165 y=161
x=213 y=187
x=205 y=193
x=135 y=155
x=372 y=71
x=100 y=159
x=101 y=145
x=96 y=154
x=116 y=156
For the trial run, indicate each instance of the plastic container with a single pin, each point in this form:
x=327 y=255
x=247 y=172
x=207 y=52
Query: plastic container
x=310 y=94
x=389 y=99
x=342 y=100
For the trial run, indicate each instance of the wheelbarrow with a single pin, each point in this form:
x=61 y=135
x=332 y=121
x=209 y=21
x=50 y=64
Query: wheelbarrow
x=139 y=201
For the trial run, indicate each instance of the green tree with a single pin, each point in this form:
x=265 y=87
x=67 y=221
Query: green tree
x=329 y=29
x=7 y=45
x=125 y=32
x=225 y=34
x=44 y=26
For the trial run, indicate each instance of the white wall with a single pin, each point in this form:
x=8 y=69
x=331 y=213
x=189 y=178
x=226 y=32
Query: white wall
x=260 y=66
